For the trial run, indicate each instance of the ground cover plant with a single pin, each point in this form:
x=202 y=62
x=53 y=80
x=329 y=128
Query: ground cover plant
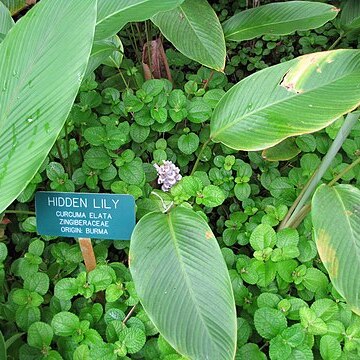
x=243 y=160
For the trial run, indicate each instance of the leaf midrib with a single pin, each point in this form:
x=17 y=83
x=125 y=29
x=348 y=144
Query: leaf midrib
x=353 y=238
x=273 y=103
x=197 y=37
x=25 y=76
x=270 y=24
x=120 y=11
x=187 y=280
x=192 y=28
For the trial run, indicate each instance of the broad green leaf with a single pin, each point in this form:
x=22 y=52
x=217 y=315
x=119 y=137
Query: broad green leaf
x=115 y=59
x=66 y=288
x=39 y=82
x=279 y=349
x=113 y=292
x=285 y=150
x=268 y=300
x=14 y=5
x=292 y=100
x=97 y=158
x=65 y=323
x=313 y=324
x=132 y=172
x=37 y=247
x=12 y=339
x=187 y=187
x=278 y=19
x=113 y=314
x=188 y=143
x=325 y=308
x=101 y=51
x=6 y=21
x=101 y=277
x=183 y=283
x=242 y=191
x=82 y=352
x=21 y=296
x=350 y=15
x=3 y=354
x=336 y=218
x=40 y=335
x=3 y=252
x=302 y=352
x=38 y=282
x=212 y=196
x=250 y=351
x=263 y=237
x=114 y=15
x=244 y=331
x=25 y=316
x=315 y=280
x=269 y=322
x=330 y=348
x=133 y=338
x=198 y=110
x=294 y=335
x=194 y=29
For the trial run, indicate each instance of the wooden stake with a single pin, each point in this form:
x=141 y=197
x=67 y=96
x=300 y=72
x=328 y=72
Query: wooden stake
x=87 y=253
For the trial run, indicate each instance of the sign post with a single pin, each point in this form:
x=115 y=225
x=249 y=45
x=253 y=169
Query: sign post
x=87 y=253
x=85 y=216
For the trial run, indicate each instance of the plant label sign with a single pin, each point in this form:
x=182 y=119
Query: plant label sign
x=83 y=215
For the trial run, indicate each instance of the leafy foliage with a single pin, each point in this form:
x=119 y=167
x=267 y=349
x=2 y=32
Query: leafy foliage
x=277 y=19
x=219 y=226
x=184 y=295
x=203 y=41
x=18 y=122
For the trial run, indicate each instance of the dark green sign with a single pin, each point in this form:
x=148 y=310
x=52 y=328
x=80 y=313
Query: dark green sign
x=82 y=215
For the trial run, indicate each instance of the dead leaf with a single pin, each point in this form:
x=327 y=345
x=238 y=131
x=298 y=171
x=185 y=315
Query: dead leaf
x=154 y=61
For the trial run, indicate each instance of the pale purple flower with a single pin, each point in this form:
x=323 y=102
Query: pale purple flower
x=168 y=173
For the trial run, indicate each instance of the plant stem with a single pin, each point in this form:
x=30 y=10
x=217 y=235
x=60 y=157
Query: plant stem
x=310 y=186
x=206 y=143
x=208 y=80
x=336 y=41
x=129 y=314
x=296 y=221
x=68 y=150
x=148 y=49
x=58 y=148
x=140 y=35
x=343 y=172
x=25 y=212
x=133 y=42
x=123 y=79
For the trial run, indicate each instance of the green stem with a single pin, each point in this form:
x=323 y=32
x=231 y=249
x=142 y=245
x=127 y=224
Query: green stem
x=310 y=186
x=133 y=42
x=148 y=49
x=120 y=73
x=68 y=150
x=344 y=171
x=336 y=41
x=206 y=143
x=58 y=148
x=140 y=35
x=129 y=315
x=123 y=79
x=206 y=84
x=285 y=221
x=20 y=212
x=296 y=221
